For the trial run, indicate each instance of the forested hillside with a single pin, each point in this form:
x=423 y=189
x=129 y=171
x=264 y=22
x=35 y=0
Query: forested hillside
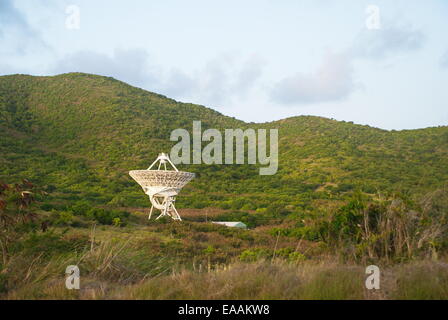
x=78 y=135
x=343 y=192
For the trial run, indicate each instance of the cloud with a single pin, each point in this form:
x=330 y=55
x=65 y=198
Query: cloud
x=390 y=39
x=221 y=80
x=444 y=60
x=214 y=80
x=11 y=18
x=218 y=82
x=177 y=84
x=16 y=34
x=332 y=81
x=131 y=66
x=248 y=75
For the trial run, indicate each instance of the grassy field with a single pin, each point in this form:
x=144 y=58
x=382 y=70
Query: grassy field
x=315 y=257
x=110 y=278
x=177 y=261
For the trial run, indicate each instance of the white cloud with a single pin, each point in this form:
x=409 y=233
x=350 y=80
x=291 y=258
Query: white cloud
x=332 y=81
x=130 y=66
x=390 y=39
x=248 y=75
x=224 y=79
x=218 y=82
x=177 y=84
x=16 y=35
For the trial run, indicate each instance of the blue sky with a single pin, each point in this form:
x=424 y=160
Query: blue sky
x=254 y=60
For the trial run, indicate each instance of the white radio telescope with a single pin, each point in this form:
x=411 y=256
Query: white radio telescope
x=162 y=185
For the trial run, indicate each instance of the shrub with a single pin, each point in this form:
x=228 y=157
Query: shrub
x=61 y=218
x=107 y=217
x=251 y=255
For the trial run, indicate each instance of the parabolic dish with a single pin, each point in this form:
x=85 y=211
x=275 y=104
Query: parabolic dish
x=161 y=178
x=162 y=186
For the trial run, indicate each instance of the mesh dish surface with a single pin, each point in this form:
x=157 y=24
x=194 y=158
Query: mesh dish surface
x=152 y=178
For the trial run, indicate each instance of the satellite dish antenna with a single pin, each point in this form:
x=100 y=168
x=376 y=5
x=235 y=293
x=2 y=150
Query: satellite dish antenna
x=162 y=185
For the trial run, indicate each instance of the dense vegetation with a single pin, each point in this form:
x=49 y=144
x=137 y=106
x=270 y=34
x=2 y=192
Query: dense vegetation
x=353 y=193
x=79 y=134
x=197 y=260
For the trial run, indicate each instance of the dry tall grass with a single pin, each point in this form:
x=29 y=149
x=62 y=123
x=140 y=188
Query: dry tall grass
x=260 y=280
x=203 y=261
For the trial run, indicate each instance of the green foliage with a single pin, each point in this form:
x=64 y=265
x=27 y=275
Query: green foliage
x=117 y=222
x=347 y=220
x=252 y=255
x=209 y=250
x=394 y=228
x=61 y=218
x=107 y=217
x=78 y=134
x=48 y=244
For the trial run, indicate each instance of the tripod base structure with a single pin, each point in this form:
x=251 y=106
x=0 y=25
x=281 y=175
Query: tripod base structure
x=166 y=205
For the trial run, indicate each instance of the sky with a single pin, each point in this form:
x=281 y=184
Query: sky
x=380 y=63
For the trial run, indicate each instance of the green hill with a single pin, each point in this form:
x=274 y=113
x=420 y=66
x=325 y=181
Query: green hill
x=343 y=192
x=78 y=135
